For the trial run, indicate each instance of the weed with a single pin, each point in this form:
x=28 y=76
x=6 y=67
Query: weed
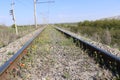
x=10 y=53
x=66 y=75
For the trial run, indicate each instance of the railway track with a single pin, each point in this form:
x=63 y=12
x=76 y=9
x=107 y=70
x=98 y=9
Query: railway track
x=105 y=59
x=10 y=65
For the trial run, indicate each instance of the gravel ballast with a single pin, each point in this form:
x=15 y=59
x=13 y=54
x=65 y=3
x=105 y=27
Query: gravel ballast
x=54 y=57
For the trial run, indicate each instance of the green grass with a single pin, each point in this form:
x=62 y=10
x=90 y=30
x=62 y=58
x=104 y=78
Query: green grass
x=10 y=53
x=106 y=36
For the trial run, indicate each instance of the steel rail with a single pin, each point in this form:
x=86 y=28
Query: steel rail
x=8 y=65
x=105 y=59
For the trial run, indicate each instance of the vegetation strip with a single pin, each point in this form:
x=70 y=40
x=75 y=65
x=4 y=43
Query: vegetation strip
x=105 y=31
x=7 y=34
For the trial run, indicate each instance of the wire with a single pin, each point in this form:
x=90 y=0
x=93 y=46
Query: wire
x=47 y=2
x=20 y=2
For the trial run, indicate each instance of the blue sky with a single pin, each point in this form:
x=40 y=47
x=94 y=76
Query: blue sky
x=60 y=11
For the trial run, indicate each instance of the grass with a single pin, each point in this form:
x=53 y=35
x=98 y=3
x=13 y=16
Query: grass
x=10 y=53
x=66 y=75
x=106 y=36
x=67 y=42
x=7 y=34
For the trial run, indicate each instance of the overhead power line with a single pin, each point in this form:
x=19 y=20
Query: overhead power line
x=36 y=2
x=22 y=3
x=42 y=2
x=19 y=1
x=46 y=2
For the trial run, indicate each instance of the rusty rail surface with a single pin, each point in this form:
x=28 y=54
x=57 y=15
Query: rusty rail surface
x=12 y=62
x=104 y=58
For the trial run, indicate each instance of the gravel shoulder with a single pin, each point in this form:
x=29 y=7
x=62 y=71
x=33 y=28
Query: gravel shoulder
x=54 y=57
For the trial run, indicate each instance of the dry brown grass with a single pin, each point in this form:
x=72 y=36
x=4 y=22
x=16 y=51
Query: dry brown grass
x=7 y=34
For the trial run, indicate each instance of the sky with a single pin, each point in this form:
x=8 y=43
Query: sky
x=61 y=11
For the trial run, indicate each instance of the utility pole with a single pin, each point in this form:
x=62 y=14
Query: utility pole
x=13 y=16
x=35 y=17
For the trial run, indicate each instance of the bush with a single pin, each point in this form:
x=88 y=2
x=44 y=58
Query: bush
x=13 y=26
x=107 y=31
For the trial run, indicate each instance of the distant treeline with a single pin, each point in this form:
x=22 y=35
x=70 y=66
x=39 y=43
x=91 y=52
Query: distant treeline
x=106 y=31
x=106 y=23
